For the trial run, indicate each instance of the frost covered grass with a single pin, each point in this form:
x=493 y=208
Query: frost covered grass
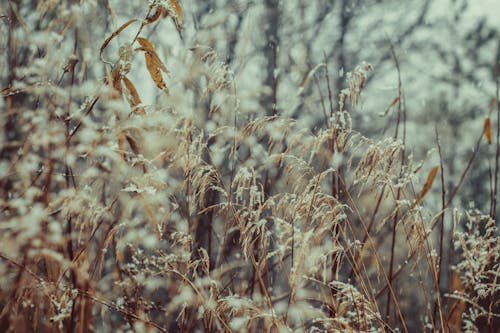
x=192 y=214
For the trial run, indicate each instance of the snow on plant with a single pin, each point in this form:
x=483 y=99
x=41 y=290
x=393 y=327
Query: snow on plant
x=188 y=213
x=479 y=268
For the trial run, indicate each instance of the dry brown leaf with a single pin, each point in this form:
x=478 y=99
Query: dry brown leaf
x=134 y=96
x=389 y=107
x=133 y=144
x=150 y=213
x=493 y=103
x=114 y=80
x=154 y=17
x=153 y=63
x=146 y=45
x=114 y=34
x=455 y=306
x=121 y=145
x=154 y=71
x=149 y=48
x=487 y=130
x=179 y=16
x=427 y=185
x=123 y=139
x=120 y=255
x=175 y=11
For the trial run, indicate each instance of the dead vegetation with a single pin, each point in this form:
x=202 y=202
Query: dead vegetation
x=193 y=216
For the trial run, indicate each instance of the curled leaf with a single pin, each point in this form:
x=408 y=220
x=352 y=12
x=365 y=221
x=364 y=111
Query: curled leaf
x=175 y=11
x=149 y=49
x=154 y=17
x=179 y=17
x=114 y=34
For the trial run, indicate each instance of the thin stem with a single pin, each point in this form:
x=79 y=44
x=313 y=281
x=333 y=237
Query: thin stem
x=441 y=223
x=497 y=156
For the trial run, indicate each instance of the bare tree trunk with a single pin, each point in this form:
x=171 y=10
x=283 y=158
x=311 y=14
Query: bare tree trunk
x=271 y=49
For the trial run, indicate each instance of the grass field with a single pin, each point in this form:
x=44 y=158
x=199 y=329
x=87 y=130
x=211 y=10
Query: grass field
x=192 y=215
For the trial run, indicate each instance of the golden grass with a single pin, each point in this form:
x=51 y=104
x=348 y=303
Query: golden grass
x=119 y=216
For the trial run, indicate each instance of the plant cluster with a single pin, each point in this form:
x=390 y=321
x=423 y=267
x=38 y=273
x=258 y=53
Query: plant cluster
x=190 y=214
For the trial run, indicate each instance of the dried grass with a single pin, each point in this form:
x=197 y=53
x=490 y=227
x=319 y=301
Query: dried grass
x=147 y=220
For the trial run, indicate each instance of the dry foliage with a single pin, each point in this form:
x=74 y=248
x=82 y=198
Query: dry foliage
x=149 y=220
